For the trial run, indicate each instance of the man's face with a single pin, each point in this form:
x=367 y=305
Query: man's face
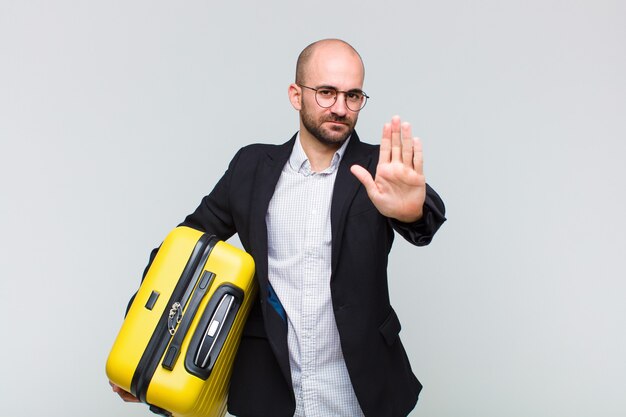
x=342 y=70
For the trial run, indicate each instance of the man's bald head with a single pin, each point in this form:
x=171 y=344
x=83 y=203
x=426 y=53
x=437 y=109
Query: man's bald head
x=334 y=45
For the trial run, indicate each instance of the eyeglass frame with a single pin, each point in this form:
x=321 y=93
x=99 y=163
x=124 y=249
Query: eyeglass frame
x=337 y=95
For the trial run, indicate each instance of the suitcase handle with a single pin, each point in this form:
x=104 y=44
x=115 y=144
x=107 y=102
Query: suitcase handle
x=213 y=329
x=171 y=355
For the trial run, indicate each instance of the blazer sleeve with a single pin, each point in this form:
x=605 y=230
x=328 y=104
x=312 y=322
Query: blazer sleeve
x=422 y=231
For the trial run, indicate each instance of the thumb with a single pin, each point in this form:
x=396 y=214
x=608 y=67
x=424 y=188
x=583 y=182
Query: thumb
x=365 y=177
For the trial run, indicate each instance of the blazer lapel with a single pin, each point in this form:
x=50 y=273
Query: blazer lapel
x=267 y=175
x=346 y=186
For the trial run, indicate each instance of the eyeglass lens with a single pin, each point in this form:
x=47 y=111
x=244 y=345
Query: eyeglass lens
x=326 y=97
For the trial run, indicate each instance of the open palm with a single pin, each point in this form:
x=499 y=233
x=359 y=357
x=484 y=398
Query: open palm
x=399 y=188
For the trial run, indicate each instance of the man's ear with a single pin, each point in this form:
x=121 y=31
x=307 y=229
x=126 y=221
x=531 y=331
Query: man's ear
x=295 y=96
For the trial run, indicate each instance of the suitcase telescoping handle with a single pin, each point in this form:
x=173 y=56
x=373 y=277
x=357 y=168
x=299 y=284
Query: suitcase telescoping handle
x=169 y=360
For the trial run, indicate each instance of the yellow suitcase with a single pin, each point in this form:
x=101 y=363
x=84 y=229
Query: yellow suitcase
x=176 y=347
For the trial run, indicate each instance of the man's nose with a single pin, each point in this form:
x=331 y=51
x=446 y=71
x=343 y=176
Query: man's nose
x=340 y=108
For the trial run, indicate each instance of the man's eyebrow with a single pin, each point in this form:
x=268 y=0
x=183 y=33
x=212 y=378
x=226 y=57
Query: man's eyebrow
x=352 y=90
x=327 y=86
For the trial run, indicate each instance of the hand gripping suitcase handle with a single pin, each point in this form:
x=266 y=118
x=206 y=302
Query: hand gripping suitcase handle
x=171 y=355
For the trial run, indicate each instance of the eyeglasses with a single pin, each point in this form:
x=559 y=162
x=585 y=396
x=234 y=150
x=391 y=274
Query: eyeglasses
x=327 y=96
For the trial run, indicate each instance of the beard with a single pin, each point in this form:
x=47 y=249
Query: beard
x=328 y=135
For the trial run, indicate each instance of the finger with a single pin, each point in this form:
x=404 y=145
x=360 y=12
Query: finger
x=396 y=145
x=128 y=397
x=418 y=156
x=385 y=145
x=124 y=395
x=365 y=178
x=407 y=145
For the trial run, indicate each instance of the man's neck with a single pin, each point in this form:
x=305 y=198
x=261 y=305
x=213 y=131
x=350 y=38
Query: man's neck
x=320 y=155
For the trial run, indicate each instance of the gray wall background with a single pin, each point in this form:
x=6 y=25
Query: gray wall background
x=117 y=117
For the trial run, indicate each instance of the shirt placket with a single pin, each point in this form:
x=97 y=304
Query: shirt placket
x=312 y=281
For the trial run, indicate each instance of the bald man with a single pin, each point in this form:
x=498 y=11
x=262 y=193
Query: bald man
x=318 y=215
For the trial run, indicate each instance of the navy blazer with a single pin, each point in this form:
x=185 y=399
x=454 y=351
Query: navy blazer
x=361 y=240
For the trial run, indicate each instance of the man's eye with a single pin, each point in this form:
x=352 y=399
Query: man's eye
x=324 y=92
x=355 y=96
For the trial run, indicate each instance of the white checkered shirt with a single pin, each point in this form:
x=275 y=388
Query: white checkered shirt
x=299 y=260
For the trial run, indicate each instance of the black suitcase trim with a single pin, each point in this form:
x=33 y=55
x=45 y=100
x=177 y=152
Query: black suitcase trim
x=160 y=338
x=204 y=284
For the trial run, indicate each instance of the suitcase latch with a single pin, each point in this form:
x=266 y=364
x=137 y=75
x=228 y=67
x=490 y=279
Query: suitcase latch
x=174 y=318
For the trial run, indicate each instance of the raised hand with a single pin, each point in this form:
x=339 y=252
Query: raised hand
x=399 y=189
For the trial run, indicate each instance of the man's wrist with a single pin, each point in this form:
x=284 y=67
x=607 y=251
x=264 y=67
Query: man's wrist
x=411 y=219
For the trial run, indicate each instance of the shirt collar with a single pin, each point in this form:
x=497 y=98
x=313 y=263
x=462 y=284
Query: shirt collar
x=299 y=162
